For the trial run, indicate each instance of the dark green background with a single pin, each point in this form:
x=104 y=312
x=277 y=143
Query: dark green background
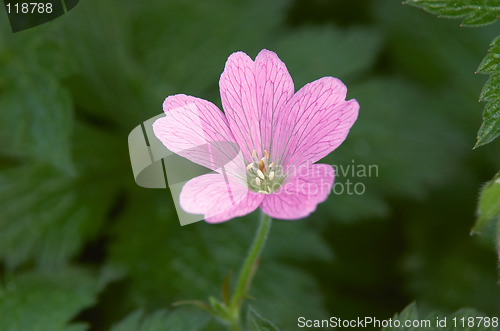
x=80 y=242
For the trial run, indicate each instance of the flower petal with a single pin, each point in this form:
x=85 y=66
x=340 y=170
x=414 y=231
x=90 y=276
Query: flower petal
x=252 y=94
x=298 y=197
x=217 y=198
x=197 y=130
x=317 y=122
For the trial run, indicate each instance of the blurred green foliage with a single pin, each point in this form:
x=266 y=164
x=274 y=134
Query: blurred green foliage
x=82 y=246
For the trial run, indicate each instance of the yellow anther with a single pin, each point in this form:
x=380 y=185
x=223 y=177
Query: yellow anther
x=267 y=154
x=262 y=166
x=254 y=153
x=271 y=165
x=250 y=166
x=260 y=174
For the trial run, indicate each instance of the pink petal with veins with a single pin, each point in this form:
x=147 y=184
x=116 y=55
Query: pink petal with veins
x=299 y=196
x=217 y=198
x=316 y=122
x=253 y=95
x=197 y=130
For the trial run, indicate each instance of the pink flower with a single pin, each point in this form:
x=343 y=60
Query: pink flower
x=262 y=148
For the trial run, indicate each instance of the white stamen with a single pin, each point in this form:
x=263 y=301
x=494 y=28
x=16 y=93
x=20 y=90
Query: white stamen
x=265 y=192
x=271 y=165
x=271 y=175
x=260 y=174
x=269 y=189
x=250 y=166
x=257 y=181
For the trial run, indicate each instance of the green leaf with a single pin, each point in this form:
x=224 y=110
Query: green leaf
x=491 y=89
x=46 y=301
x=178 y=319
x=490 y=129
x=47 y=216
x=490 y=64
x=219 y=308
x=474 y=12
x=37 y=111
x=477 y=12
x=37 y=119
x=409 y=313
x=255 y=322
x=489 y=203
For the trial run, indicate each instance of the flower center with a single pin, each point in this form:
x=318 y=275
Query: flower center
x=263 y=175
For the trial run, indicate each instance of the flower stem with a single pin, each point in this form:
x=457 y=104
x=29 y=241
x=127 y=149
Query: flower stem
x=249 y=268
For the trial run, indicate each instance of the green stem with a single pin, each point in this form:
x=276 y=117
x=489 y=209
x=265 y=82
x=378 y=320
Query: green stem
x=249 y=269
